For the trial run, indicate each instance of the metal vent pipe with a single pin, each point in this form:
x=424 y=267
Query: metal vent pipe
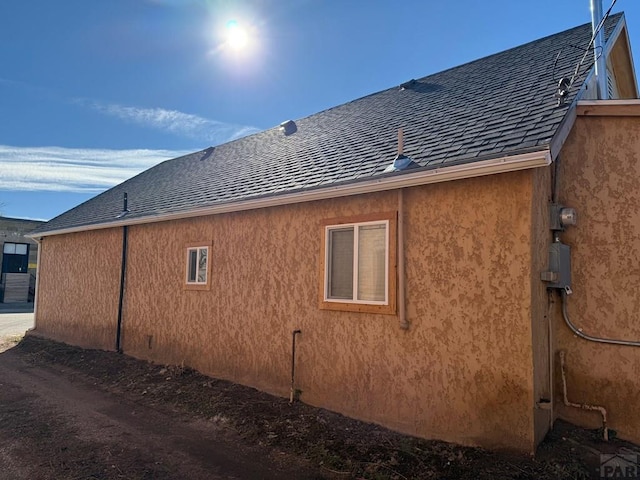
x=598 y=50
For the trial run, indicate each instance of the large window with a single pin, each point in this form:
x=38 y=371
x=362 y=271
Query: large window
x=358 y=262
x=198 y=266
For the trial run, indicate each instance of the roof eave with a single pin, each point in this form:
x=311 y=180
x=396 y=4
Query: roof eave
x=565 y=127
x=504 y=164
x=563 y=131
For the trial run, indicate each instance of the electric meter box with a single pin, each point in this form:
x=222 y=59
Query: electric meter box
x=560 y=264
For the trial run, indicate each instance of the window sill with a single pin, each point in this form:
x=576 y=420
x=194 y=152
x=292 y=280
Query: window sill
x=197 y=286
x=389 y=309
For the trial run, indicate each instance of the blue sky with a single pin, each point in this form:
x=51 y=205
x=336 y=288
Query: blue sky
x=93 y=92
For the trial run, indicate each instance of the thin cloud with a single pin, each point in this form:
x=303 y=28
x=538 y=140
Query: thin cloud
x=73 y=169
x=178 y=123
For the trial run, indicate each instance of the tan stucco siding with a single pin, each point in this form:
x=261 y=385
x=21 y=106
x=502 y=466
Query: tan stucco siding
x=462 y=372
x=600 y=177
x=468 y=270
x=78 y=288
x=541 y=308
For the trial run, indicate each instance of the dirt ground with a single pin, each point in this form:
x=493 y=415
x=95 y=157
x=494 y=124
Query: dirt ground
x=69 y=413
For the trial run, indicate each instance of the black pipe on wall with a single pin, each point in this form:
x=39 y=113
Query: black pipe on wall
x=293 y=365
x=123 y=271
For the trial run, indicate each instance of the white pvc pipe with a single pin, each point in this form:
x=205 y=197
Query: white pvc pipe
x=35 y=294
x=583 y=406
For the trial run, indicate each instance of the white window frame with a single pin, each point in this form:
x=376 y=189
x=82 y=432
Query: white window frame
x=356 y=230
x=197 y=249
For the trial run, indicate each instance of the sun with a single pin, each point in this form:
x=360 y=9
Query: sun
x=237 y=40
x=237 y=37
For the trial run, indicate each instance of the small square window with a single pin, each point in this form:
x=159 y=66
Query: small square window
x=198 y=265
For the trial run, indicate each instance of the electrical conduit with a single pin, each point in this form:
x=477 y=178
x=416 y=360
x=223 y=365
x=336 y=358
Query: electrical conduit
x=591 y=338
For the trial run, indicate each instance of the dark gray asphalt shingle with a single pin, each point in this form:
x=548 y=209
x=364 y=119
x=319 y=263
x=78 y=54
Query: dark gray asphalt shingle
x=498 y=105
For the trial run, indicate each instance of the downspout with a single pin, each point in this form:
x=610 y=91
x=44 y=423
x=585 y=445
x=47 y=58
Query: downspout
x=123 y=271
x=555 y=187
x=35 y=296
x=404 y=323
x=552 y=362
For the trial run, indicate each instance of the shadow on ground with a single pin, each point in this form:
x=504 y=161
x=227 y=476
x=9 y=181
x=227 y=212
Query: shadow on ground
x=20 y=307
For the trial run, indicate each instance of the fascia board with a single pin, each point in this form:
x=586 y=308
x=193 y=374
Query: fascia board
x=540 y=158
x=562 y=132
x=613 y=108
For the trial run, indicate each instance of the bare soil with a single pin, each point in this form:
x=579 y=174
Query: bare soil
x=70 y=413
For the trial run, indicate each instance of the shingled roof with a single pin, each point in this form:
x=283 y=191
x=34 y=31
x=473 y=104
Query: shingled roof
x=498 y=106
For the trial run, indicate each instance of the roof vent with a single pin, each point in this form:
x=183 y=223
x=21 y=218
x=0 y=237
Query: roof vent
x=207 y=153
x=409 y=84
x=401 y=162
x=289 y=127
x=125 y=208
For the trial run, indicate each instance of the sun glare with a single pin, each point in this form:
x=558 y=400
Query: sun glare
x=236 y=36
x=237 y=41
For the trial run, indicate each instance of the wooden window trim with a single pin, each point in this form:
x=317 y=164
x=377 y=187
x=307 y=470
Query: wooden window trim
x=185 y=250
x=390 y=307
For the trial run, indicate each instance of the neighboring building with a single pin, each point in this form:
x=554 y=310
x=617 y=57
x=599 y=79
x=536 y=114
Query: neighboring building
x=423 y=274
x=19 y=259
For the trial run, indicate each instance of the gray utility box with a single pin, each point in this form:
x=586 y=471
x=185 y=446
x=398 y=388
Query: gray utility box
x=559 y=274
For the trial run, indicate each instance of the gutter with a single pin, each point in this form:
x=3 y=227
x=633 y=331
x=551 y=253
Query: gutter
x=511 y=163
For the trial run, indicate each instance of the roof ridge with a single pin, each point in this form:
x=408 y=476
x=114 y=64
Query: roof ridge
x=421 y=79
x=524 y=45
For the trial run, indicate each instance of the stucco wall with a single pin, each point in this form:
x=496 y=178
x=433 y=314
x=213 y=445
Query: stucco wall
x=79 y=281
x=600 y=177
x=468 y=271
x=462 y=372
x=541 y=308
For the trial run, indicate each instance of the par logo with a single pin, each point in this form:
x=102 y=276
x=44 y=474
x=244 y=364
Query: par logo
x=619 y=466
